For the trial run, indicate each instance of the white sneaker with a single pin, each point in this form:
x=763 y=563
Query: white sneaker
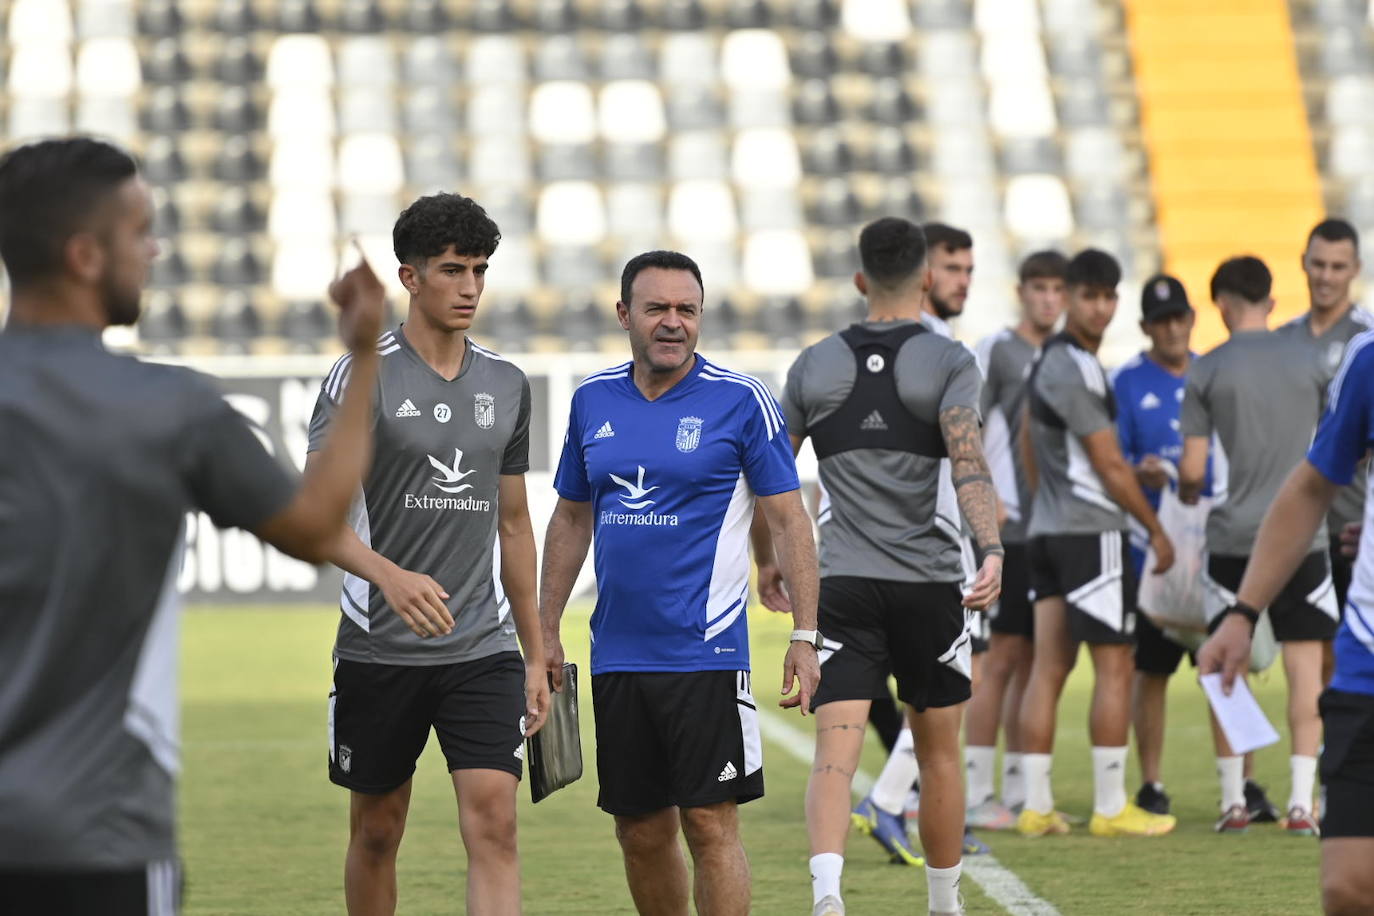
x=829 y=905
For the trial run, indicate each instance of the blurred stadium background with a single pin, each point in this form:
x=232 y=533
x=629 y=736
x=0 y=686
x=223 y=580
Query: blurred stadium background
x=756 y=135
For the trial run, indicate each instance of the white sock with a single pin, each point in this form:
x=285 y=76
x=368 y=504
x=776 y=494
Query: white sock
x=1231 y=771
x=1304 y=770
x=1039 y=796
x=943 y=888
x=1109 y=780
x=825 y=875
x=1013 y=779
x=978 y=762
x=900 y=771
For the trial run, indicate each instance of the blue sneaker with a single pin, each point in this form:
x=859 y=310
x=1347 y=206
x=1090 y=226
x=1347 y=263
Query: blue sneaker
x=888 y=829
x=974 y=846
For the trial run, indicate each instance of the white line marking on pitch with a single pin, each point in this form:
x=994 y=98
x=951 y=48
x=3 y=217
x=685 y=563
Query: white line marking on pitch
x=995 y=879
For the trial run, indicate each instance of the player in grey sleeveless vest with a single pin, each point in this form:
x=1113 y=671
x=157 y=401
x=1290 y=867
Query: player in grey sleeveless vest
x=101 y=457
x=440 y=573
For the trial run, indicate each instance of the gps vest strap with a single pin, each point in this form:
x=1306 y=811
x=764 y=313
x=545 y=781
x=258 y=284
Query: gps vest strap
x=1041 y=410
x=873 y=416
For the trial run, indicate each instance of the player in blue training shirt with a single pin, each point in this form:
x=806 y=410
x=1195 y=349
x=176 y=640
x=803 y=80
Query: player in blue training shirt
x=664 y=459
x=1343 y=440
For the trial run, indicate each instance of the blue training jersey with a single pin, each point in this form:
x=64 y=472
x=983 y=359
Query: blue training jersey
x=1148 y=400
x=1343 y=439
x=672 y=484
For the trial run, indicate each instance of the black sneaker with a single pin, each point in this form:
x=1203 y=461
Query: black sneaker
x=1153 y=798
x=1262 y=810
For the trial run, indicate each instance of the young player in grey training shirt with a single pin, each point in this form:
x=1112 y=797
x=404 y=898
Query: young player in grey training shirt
x=102 y=457
x=1256 y=400
x=440 y=577
x=1080 y=570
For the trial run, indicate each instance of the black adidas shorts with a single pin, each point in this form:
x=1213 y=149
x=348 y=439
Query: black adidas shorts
x=380 y=717
x=1347 y=764
x=1093 y=574
x=675 y=738
x=1156 y=653
x=1304 y=610
x=917 y=632
x=154 y=889
x=1013 y=614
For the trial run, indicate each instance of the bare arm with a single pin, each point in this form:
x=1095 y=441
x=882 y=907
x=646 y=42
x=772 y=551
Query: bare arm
x=1284 y=538
x=308 y=527
x=1192 y=469
x=772 y=592
x=796 y=549
x=518 y=560
x=977 y=499
x=1104 y=453
x=565 y=548
x=1028 y=465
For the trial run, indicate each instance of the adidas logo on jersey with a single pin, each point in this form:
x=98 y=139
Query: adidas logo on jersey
x=605 y=432
x=728 y=773
x=873 y=421
x=407 y=409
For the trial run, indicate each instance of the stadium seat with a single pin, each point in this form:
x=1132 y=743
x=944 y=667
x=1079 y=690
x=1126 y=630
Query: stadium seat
x=427 y=61
x=495 y=16
x=561 y=57
x=39 y=22
x=633 y=161
x=165 y=111
x=900 y=198
x=814 y=56
x=837 y=257
x=162 y=162
x=305 y=324
x=234 y=212
x=235 y=112
x=517 y=271
x=498 y=160
x=236 y=264
x=1037 y=209
x=1352 y=151
x=156 y=18
x=765 y=108
x=1010 y=15
x=1021 y=109
x=426 y=18
x=748 y=14
x=963 y=153
x=495 y=59
x=883 y=59
x=1010 y=57
x=765 y=157
x=237 y=161
x=568 y=162
x=876 y=20
x=238 y=62
x=783 y=320
x=754 y=60
x=688 y=59
x=302 y=267
x=163 y=322
x=718 y=260
x=495 y=110
x=1076 y=56
x=770 y=208
x=891 y=103
x=370 y=163
x=634 y=212
x=1082 y=103
x=814 y=103
x=236 y=322
x=621 y=16
x=683 y=15
x=1071 y=16
x=1350 y=100
x=301 y=112
x=827 y=153
x=169 y=268
x=115 y=119
x=631 y=111
x=971 y=203
x=694 y=108
x=948 y=55
x=105 y=19
x=556 y=16
x=1101 y=205
x=362 y=17
x=562 y=112
x=573 y=267
x=369 y=213
x=814 y=14
x=298 y=16
x=299 y=62
x=571 y=213
x=368 y=109
x=702 y=211
x=777 y=263
x=1029 y=155
x=955 y=103
x=235 y=17
x=431 y=164
x=890 y=152
x=1340 y=12
x=1092 y=153
x=40 y=71
x=166 y=63
x=302 y=161
x=166 y=214
x=429 y=110
x=366 y=62
x=626 y=57
x=943 y=14
x=698 y=154
x=1345 y=50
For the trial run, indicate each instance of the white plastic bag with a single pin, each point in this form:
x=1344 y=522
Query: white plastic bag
x=1173 y=600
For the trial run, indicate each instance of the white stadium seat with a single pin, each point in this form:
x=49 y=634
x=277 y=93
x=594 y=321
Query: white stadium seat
x=300 y=62
x=302 y=214
x=571 y=213
x=370 y=164
x=766 y=157
x=500 y=160
x=702 y=211
x=1022 y=109
x=631 y=111
x=1008 y=57
x=105 y=19
x=561 y=111
x=1011 y=15
x=754 y=59
x=778 y=263
x=634 y=210
x=40 y=71
x=497 y=110
x=44 y=22
x=302 y=161
x=108 y=68
x=876 y=20
x=301 y=111
x=696 y=154
x=1038 y=209
x=304 y=266
x=496 y=59
x=688 y=59
x=366 y=62
x=947 y=54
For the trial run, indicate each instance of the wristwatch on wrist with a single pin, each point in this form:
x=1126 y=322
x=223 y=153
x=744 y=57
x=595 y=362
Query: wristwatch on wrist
x=1246 y=611
x=811 y=637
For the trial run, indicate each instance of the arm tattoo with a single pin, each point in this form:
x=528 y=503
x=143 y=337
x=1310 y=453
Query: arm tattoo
x=972 y=480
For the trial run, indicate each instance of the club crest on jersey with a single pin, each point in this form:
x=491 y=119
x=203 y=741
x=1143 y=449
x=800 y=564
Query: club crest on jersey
x=688 y=434
x=484 y=410
x=345 y=758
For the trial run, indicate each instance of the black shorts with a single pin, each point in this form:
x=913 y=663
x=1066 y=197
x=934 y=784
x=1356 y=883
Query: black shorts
x=917 y=632
x=1094 y=576
x=1156 y=653
x=675 y=738
x=1304 y=610
x=1342 y=568
x=380 y=717
x=151 y=890
x=978 y=632
x=1013 y=614
x=1347 y=764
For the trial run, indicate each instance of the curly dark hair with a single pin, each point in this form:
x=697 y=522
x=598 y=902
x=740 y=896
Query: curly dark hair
x=433 y=223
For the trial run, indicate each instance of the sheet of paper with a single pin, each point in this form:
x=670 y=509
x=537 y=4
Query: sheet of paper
x=1240 y=715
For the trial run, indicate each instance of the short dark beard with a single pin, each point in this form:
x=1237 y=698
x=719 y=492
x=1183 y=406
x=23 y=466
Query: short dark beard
x=121 y=308
x=942 y=309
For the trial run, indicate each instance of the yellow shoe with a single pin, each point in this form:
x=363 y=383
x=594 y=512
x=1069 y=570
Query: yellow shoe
x=1132 y=821
x=1033 y=823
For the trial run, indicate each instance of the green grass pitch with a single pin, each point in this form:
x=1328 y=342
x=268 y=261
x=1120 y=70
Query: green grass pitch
x=263 y=831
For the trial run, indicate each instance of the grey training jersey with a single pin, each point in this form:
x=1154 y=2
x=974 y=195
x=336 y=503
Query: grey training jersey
x=101 y=457
x=429 y=502
x=1258 y=396
x=1069 y=399
x=893 y=514
x=1330 y=348
x=1005 y=358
